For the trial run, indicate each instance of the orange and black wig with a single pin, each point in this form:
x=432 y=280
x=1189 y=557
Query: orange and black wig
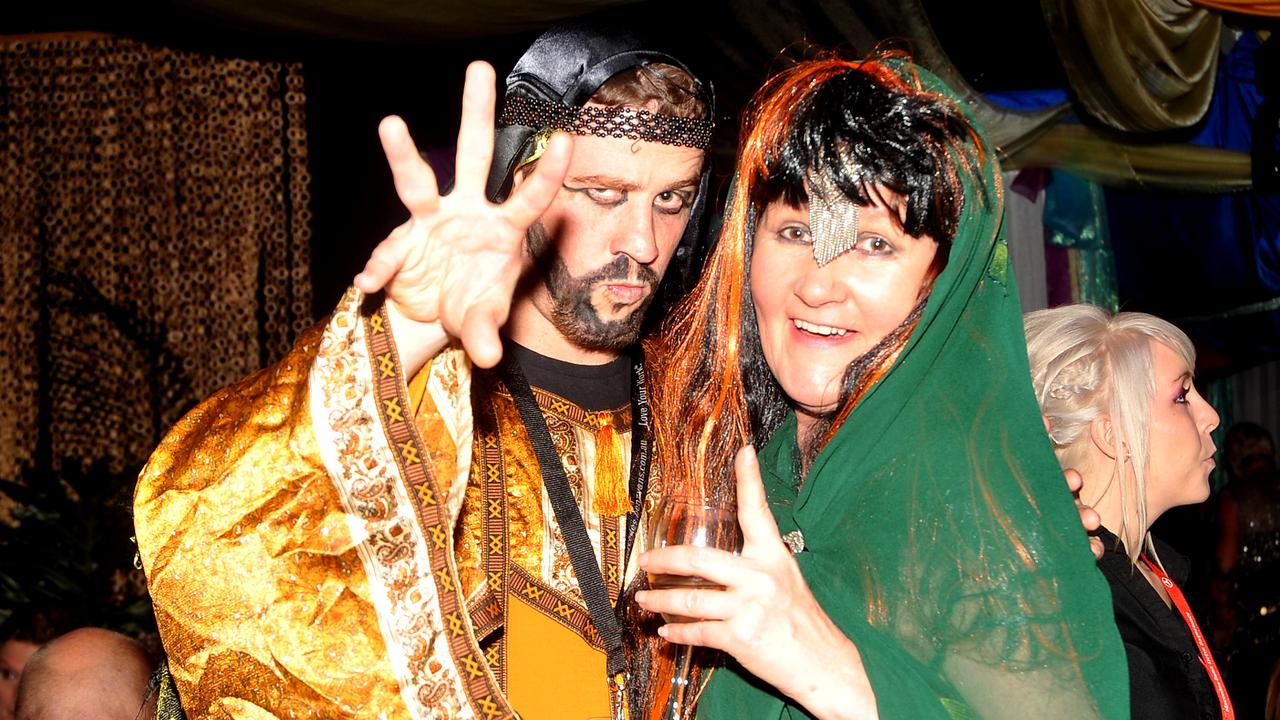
x=873 y=129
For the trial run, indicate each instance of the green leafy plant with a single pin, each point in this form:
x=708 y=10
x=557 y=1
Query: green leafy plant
x=67 y=544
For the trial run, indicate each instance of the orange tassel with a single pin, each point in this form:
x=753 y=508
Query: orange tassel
x=611 y=496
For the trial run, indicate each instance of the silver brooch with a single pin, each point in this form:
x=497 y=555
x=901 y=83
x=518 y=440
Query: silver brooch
x=794 y=541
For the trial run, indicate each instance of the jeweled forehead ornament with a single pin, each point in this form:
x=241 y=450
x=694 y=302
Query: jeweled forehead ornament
x=833 y=218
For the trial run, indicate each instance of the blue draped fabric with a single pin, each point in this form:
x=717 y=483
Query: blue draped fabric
x=1028 y=100
x=1210 y=262
x=1229 y=122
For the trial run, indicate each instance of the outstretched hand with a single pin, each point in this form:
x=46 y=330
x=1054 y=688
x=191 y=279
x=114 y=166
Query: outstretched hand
x=766 y=617
x=453 y=266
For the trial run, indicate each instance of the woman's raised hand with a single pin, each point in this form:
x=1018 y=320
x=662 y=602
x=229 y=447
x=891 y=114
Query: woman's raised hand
x=765 y=617
x=452 y=268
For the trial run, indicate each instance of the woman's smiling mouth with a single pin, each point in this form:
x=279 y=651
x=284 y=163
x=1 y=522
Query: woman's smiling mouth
x=816 y=329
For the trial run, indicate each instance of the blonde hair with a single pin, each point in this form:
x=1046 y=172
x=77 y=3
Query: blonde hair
x=1087 y=363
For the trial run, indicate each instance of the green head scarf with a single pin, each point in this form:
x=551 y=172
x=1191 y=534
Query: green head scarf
x=939 y=533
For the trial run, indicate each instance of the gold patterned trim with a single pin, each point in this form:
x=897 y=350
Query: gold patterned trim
x=495 y=546
x=489 y=608
x=379 y=465
x=503 y=576
x=557 y=406
x=428 y=500
x=611 y=560
x=486 y=613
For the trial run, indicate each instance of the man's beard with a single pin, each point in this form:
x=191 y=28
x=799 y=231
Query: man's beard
x=572 y=312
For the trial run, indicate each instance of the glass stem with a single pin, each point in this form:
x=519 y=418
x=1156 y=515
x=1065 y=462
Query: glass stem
x=679 y=684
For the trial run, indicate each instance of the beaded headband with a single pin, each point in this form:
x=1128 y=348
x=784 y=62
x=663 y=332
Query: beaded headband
x=608 y=122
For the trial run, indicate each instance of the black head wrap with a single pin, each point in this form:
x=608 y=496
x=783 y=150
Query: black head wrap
x=566 y=65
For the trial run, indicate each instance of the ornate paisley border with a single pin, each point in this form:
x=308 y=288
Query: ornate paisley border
x=398 y=513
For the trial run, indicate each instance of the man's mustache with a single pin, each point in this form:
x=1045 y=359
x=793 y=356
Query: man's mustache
x=549 y=263
x=620 y=269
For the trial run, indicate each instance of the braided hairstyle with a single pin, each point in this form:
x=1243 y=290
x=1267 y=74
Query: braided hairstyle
x=1087 y=363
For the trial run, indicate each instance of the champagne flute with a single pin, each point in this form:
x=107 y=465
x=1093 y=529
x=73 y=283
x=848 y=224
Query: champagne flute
x=689 y=521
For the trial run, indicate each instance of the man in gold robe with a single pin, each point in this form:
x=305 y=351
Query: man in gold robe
x=366 y=529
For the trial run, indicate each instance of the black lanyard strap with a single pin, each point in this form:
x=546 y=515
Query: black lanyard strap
x=581 y=554
x=641 y=451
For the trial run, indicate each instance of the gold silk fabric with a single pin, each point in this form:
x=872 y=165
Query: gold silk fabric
x=324 y=540
x=1138 y=65
x=245 y=543
x=295 y=534
x=1106 y=157
x=155 y=237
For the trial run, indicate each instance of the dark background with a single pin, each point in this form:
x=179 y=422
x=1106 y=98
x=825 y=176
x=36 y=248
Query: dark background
x=351 y=84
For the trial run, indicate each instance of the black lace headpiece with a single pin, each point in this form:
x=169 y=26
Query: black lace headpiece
x=548 y=87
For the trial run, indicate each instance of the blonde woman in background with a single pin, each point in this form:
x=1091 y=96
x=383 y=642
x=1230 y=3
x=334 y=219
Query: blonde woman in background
x=1118 y=395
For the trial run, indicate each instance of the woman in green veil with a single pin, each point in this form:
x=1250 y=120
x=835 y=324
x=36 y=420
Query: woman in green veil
x=911 y=552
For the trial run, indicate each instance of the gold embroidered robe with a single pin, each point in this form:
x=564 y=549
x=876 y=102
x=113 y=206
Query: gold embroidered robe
x=319 y=541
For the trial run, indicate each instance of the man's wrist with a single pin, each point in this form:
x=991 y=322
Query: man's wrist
x=416 y=342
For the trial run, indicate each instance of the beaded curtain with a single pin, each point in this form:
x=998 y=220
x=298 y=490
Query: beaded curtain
x=154 y=231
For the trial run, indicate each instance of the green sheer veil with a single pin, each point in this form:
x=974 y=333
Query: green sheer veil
x=939 y=534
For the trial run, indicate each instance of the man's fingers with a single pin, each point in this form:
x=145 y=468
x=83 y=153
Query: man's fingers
x=479 y=336
x=475 y=136
x=415 y=182
x=532 y=197
x=758 y=526
x=385 y=261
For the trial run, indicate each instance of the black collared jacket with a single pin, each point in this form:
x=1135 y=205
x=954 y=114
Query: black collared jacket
x=1166 y=679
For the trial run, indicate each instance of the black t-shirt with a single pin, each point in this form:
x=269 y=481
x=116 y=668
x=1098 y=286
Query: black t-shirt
x=591 y=387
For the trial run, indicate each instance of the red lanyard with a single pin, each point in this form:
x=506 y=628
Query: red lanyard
x=1206 y=657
